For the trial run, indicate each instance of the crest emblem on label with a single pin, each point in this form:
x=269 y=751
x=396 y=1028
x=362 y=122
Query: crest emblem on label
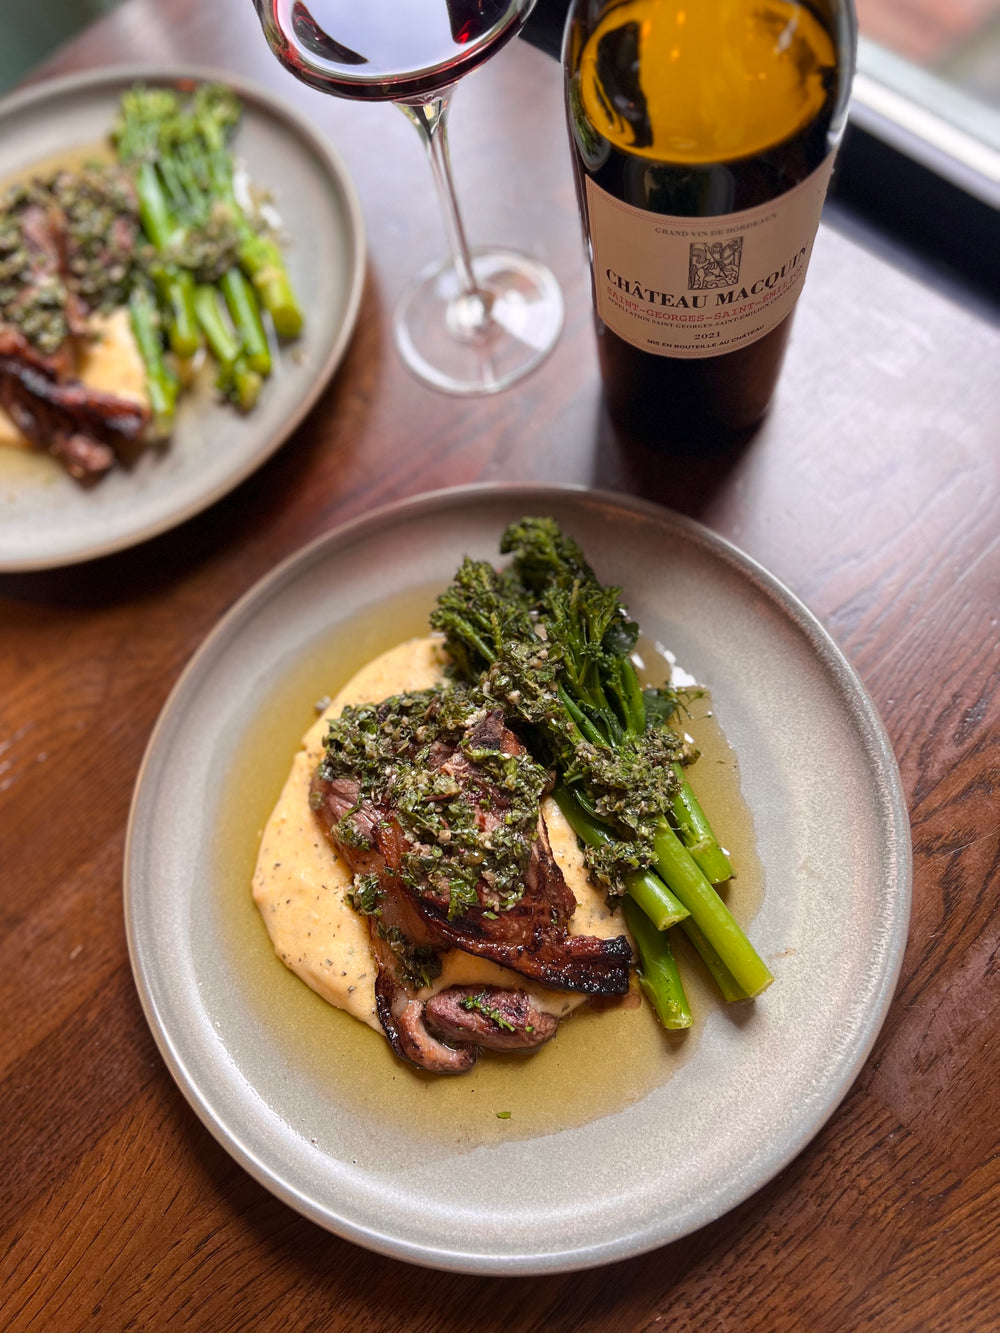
x=713 y=264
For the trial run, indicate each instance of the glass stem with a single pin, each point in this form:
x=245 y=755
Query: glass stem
x=471 y=312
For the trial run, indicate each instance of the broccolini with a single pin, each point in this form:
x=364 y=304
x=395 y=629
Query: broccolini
x=553 y=646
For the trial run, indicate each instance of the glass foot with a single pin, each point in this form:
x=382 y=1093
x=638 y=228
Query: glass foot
x=479 y=344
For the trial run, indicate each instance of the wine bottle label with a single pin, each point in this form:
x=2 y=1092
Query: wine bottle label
x=694 y=287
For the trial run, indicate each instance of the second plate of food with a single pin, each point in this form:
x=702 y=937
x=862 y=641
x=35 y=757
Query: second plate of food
x=46 y=517
x=616 y=1136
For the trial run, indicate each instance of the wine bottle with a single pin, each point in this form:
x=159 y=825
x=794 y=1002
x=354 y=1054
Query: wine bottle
x=703 y=135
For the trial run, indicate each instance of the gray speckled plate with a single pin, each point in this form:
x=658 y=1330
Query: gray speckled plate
x=831 y=834
x=46 y=519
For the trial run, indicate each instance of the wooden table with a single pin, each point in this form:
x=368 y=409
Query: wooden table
x=872 y=491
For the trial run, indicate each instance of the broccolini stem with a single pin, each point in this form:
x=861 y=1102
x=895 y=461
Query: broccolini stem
x=222 y=342
x=236 y=379
x=580 y=719
x=593 y=691
x=662 y=907
x=721 y=975
x=175 y=285
x=679 y=870
x=154 y=211
x=689 y=818
x=246 y=385
x=696 y=833
x=630 y=693
x=242 y=302
x=186 y=190
x=161 y=384
x=176 y=289
x=204 y=167
x=264 y=265
x=658 y=975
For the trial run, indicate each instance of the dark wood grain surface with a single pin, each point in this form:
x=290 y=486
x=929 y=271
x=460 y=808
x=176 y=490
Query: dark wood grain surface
x=873 y=491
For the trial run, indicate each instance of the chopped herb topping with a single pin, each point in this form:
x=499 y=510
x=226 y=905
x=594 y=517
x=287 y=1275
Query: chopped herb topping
x=365 y=896
x=418 y=964
x=68 y=244
x=468 y=807
x=481 y=1005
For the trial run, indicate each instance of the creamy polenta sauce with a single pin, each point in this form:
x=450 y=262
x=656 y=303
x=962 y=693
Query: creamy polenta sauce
x=300 y=883
x=110 y=362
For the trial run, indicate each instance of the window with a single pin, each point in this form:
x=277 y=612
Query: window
x=928 y=83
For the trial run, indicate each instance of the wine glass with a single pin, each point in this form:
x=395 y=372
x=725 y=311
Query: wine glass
x=484 y=317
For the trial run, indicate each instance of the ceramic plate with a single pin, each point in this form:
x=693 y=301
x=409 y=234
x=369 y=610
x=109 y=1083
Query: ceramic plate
x=46 y=519
x=292 y=1087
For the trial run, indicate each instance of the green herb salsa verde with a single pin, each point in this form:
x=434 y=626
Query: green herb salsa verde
x=388 y=747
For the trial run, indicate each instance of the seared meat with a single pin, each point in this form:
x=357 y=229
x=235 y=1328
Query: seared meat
x=79 y=425
x=502 y=1020
x=14 y=346
x=67 y=247
x=402 y=1016
x=418 y=804
x=44 y=234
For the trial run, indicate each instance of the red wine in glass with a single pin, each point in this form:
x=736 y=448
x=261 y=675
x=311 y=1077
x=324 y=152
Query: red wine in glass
x=485 y=317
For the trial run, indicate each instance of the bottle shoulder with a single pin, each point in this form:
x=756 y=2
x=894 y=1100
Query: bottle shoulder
x=702 y=111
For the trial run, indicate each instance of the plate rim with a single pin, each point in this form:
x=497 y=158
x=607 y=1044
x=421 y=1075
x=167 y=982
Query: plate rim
x=283 y=113
x=821 y=642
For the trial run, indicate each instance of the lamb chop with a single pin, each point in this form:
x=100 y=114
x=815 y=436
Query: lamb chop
x=66 y=249
x=434 y=804
x=79 y=425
